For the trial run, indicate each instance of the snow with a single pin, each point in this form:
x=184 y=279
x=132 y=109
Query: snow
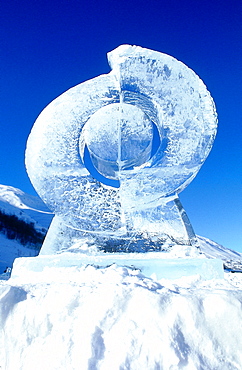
x=27 y=207
x=214 y=250
x=11 y=249
x=117 y=318
x=71 y=317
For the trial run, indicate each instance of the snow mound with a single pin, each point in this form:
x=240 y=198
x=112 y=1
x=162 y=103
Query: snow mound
x=116 y=318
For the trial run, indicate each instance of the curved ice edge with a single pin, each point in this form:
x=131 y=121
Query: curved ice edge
x=150 y=264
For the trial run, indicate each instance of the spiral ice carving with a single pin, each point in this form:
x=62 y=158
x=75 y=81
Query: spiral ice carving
x=110 y=155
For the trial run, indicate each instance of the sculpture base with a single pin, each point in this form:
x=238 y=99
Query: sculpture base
x=150 y=264
x=62 y=237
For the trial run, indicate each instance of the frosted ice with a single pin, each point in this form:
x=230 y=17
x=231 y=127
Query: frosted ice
x=149 y=264
x=110 y=155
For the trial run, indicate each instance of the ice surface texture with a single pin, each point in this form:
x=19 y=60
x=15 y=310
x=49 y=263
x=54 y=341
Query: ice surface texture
x=110 y=155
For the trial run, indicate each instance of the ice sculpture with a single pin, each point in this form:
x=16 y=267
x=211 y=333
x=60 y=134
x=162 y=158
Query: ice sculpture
x=110 y=155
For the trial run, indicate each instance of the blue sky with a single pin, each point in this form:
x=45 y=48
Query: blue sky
x=49 y=46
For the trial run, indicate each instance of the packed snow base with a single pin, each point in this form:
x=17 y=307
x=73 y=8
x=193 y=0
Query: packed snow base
x=116 y=318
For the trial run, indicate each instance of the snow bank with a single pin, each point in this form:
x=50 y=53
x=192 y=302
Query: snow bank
x=116 y=318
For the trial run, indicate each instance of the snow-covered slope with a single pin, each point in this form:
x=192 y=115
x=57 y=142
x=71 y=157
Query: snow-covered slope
x=215 y=250
x=232 y=259
x=27 y=208
x=11 y=249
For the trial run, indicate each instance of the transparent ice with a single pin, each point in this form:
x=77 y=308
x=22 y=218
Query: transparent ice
x=110 y=155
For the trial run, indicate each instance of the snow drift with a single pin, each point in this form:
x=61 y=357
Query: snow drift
x=116 y=318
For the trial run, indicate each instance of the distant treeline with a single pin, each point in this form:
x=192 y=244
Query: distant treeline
x=20 y=230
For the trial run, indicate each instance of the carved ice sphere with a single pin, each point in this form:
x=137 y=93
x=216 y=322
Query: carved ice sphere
x=110 y=155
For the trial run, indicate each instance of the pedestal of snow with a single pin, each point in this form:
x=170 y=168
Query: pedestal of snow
x=114 y=318
x=149 y=264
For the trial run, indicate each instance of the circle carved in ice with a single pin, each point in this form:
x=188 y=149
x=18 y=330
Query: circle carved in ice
x=115 y=118
x=118 y=137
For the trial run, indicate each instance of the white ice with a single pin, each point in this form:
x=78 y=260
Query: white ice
x=157 y=265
